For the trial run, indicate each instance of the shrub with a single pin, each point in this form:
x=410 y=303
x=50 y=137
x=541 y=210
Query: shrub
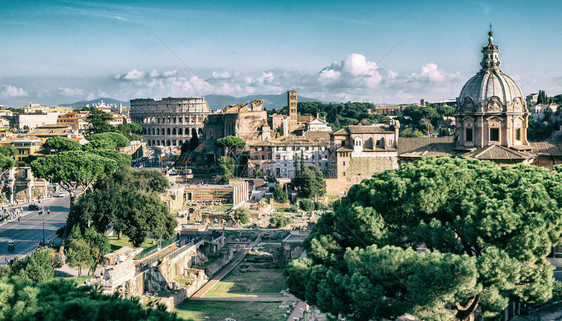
x=320 y=206
x=279 y=220
x=242 y=214
x=307 y=205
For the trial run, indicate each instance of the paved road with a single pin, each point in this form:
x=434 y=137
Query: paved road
x=29 y=231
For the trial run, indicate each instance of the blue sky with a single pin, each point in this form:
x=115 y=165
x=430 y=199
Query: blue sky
x=64 y=51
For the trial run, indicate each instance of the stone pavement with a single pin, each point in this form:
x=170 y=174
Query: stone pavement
x=298 y=311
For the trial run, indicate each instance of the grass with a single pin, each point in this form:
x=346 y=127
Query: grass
x=223 y=208
x=218 y=311
x=124 y=241
x=258 y=283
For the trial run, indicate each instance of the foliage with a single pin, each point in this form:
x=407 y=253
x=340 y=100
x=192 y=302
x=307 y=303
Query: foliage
x=99 y=145
x=8 y=151
x=194 y=140
x=408 y=132
x=306 y=205
x=312 y=182
x=121 y=159
x=131 y=202
x=320 y=206
x=542 y=98
x=61 y=144
x=74 y=171
x=225 y=168
x=230 y=143
x=36 y=267
x=279 y=220
x=278 y=193
x=242 y=214
x=257 y=171
x=61 y=300
x=487 y=230
x=539 y=130
x=6 y=162
x=117 y=138
x=280 y=131
x=98 y=120
x=129 y=130
x=87 y=249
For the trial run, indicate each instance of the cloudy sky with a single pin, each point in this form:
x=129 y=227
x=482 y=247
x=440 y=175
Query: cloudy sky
x=376 y=51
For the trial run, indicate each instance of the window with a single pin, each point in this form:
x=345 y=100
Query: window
x=518 y=134
x=468 y=134
x=495 y=134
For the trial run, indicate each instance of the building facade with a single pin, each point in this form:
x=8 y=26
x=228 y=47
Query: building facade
x=491 y=107
x=170 y=121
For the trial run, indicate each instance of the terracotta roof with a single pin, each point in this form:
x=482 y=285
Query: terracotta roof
x=341 y=132
x=344 y=149
x=410 y=144
x=497 y=152
x=356 y=129
x=546 y=148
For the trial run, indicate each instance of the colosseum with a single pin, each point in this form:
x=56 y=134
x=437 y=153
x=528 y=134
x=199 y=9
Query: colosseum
x=170 y=121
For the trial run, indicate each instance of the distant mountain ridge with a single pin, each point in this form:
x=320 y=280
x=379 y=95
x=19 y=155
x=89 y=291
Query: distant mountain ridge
x=107 y=101
x=215 y=101
x=269 y=101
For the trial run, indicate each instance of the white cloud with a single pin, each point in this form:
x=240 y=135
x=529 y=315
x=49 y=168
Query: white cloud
x=154 y=74
x=169 y=73
x=221 y=75
x=431 y=73
x=131 y=75
x=12 y=91
x=350 y=71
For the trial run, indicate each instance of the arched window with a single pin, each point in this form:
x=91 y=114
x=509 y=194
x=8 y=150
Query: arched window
x=173 y=131
x=168 y=143
x=157 y=131
x=180 y=131
x=168 y=132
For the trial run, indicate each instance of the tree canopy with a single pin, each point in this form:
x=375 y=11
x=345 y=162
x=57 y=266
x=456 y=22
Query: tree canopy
x=86 y=249
x=230 y=143
x=225 y=168
x=311 y=182
x=9 y=151
x=61 y=144
x=98 y=120
x=487 y=232
x=130 y=203
x=117 y=138
x=62 y=300
x=36 y=267
x=74 y=171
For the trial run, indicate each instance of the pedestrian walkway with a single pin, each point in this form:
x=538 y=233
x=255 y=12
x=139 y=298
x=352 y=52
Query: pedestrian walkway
x=298 y=311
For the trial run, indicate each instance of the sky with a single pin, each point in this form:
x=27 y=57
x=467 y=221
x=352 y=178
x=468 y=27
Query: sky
x=55 y=52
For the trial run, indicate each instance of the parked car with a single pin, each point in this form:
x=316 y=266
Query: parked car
x=11 y=245
x=33 y=207
x=59 y=194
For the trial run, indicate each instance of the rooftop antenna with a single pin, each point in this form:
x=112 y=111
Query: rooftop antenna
x=490 y=27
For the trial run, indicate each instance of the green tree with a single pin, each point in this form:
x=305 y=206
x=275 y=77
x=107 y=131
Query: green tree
x=278 y=193
x=127 y=200
x=87 y=249
x=75 y=172
x=99 y=145
x=194 y=140
x=279 y=220
x=307 y=205
x=242 y=214
x=61 y=299
x=313 y=183
x=117 y=138
x=98 y=120
x=257 y=171
x=130 y=130
x=409 y=132
x=61 y=144
x=78 y=251
x=121 y=159
x=487 y=231
x=225 y=168
x=230 y=143
x=36 y=267
x=8 y=151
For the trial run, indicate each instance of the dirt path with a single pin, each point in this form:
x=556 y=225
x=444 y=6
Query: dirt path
x=297 y=311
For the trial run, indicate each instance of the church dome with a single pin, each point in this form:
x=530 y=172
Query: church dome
x=490 y=82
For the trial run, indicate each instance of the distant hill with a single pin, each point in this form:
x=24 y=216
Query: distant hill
x=269 y=101
x=107 y=101
x=215 y=101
